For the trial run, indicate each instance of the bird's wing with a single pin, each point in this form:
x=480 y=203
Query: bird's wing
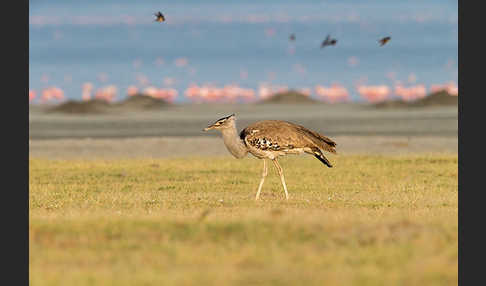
x=326 y=41
x=283 y=135
x=384 y=40
x=268 y=135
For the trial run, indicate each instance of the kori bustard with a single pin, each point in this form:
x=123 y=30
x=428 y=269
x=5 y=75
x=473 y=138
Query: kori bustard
x=270 y=139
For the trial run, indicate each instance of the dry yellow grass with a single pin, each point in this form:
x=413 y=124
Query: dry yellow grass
x=370 y=220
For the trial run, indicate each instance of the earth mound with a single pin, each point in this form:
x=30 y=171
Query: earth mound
x=435 y=99
x=142 y=102
x=138 y=102
x=94 y=106
x=289 y=97
x=440 y=98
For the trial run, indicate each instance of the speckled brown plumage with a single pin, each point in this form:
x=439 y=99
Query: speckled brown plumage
x=283 y=136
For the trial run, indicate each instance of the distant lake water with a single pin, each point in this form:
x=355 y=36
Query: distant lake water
x=242 y=42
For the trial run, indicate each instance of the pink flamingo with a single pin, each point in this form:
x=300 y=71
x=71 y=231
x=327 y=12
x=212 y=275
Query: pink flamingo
x=107 y=93
x=335 y=93
x=450 y=88
x=132 y=90
x=410 y=93
x=167 y=94
x=32 y=95
x=86 y=92
x=375 y=93
x=210 y=93
x=181 y=62
x=52 y=93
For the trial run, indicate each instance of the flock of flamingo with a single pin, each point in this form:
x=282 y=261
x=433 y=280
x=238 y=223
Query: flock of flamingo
x=334 y=93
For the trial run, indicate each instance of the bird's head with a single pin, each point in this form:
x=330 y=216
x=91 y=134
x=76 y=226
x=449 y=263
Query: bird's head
x=223 y=123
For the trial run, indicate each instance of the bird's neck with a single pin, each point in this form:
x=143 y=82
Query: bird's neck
x=233 y=142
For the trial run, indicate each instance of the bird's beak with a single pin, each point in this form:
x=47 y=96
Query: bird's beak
x=207 y=128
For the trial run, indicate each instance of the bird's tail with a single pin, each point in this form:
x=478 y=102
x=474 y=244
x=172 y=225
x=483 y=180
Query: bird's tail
x=320 y=156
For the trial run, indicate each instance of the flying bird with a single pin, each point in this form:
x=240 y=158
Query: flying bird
x=292 y=37
x=384 y=41
x=159 y=17
x=269 y=139
x=328 y=42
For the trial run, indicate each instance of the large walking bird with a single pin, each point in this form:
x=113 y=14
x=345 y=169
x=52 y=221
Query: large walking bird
x=270 y=139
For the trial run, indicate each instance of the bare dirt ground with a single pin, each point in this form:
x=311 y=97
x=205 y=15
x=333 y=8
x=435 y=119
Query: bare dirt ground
x=177 y=131
x=160 y=147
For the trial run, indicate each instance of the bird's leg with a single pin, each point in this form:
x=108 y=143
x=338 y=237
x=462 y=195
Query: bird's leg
x=280 y=172
x=264 y=174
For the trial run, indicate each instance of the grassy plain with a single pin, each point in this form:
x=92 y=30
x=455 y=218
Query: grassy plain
x=370 y=220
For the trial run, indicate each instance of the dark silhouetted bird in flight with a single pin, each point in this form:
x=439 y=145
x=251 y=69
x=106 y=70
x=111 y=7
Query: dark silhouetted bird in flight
x=160 y=17
x=328 y=42
x=384 y=41
x=292 y=37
